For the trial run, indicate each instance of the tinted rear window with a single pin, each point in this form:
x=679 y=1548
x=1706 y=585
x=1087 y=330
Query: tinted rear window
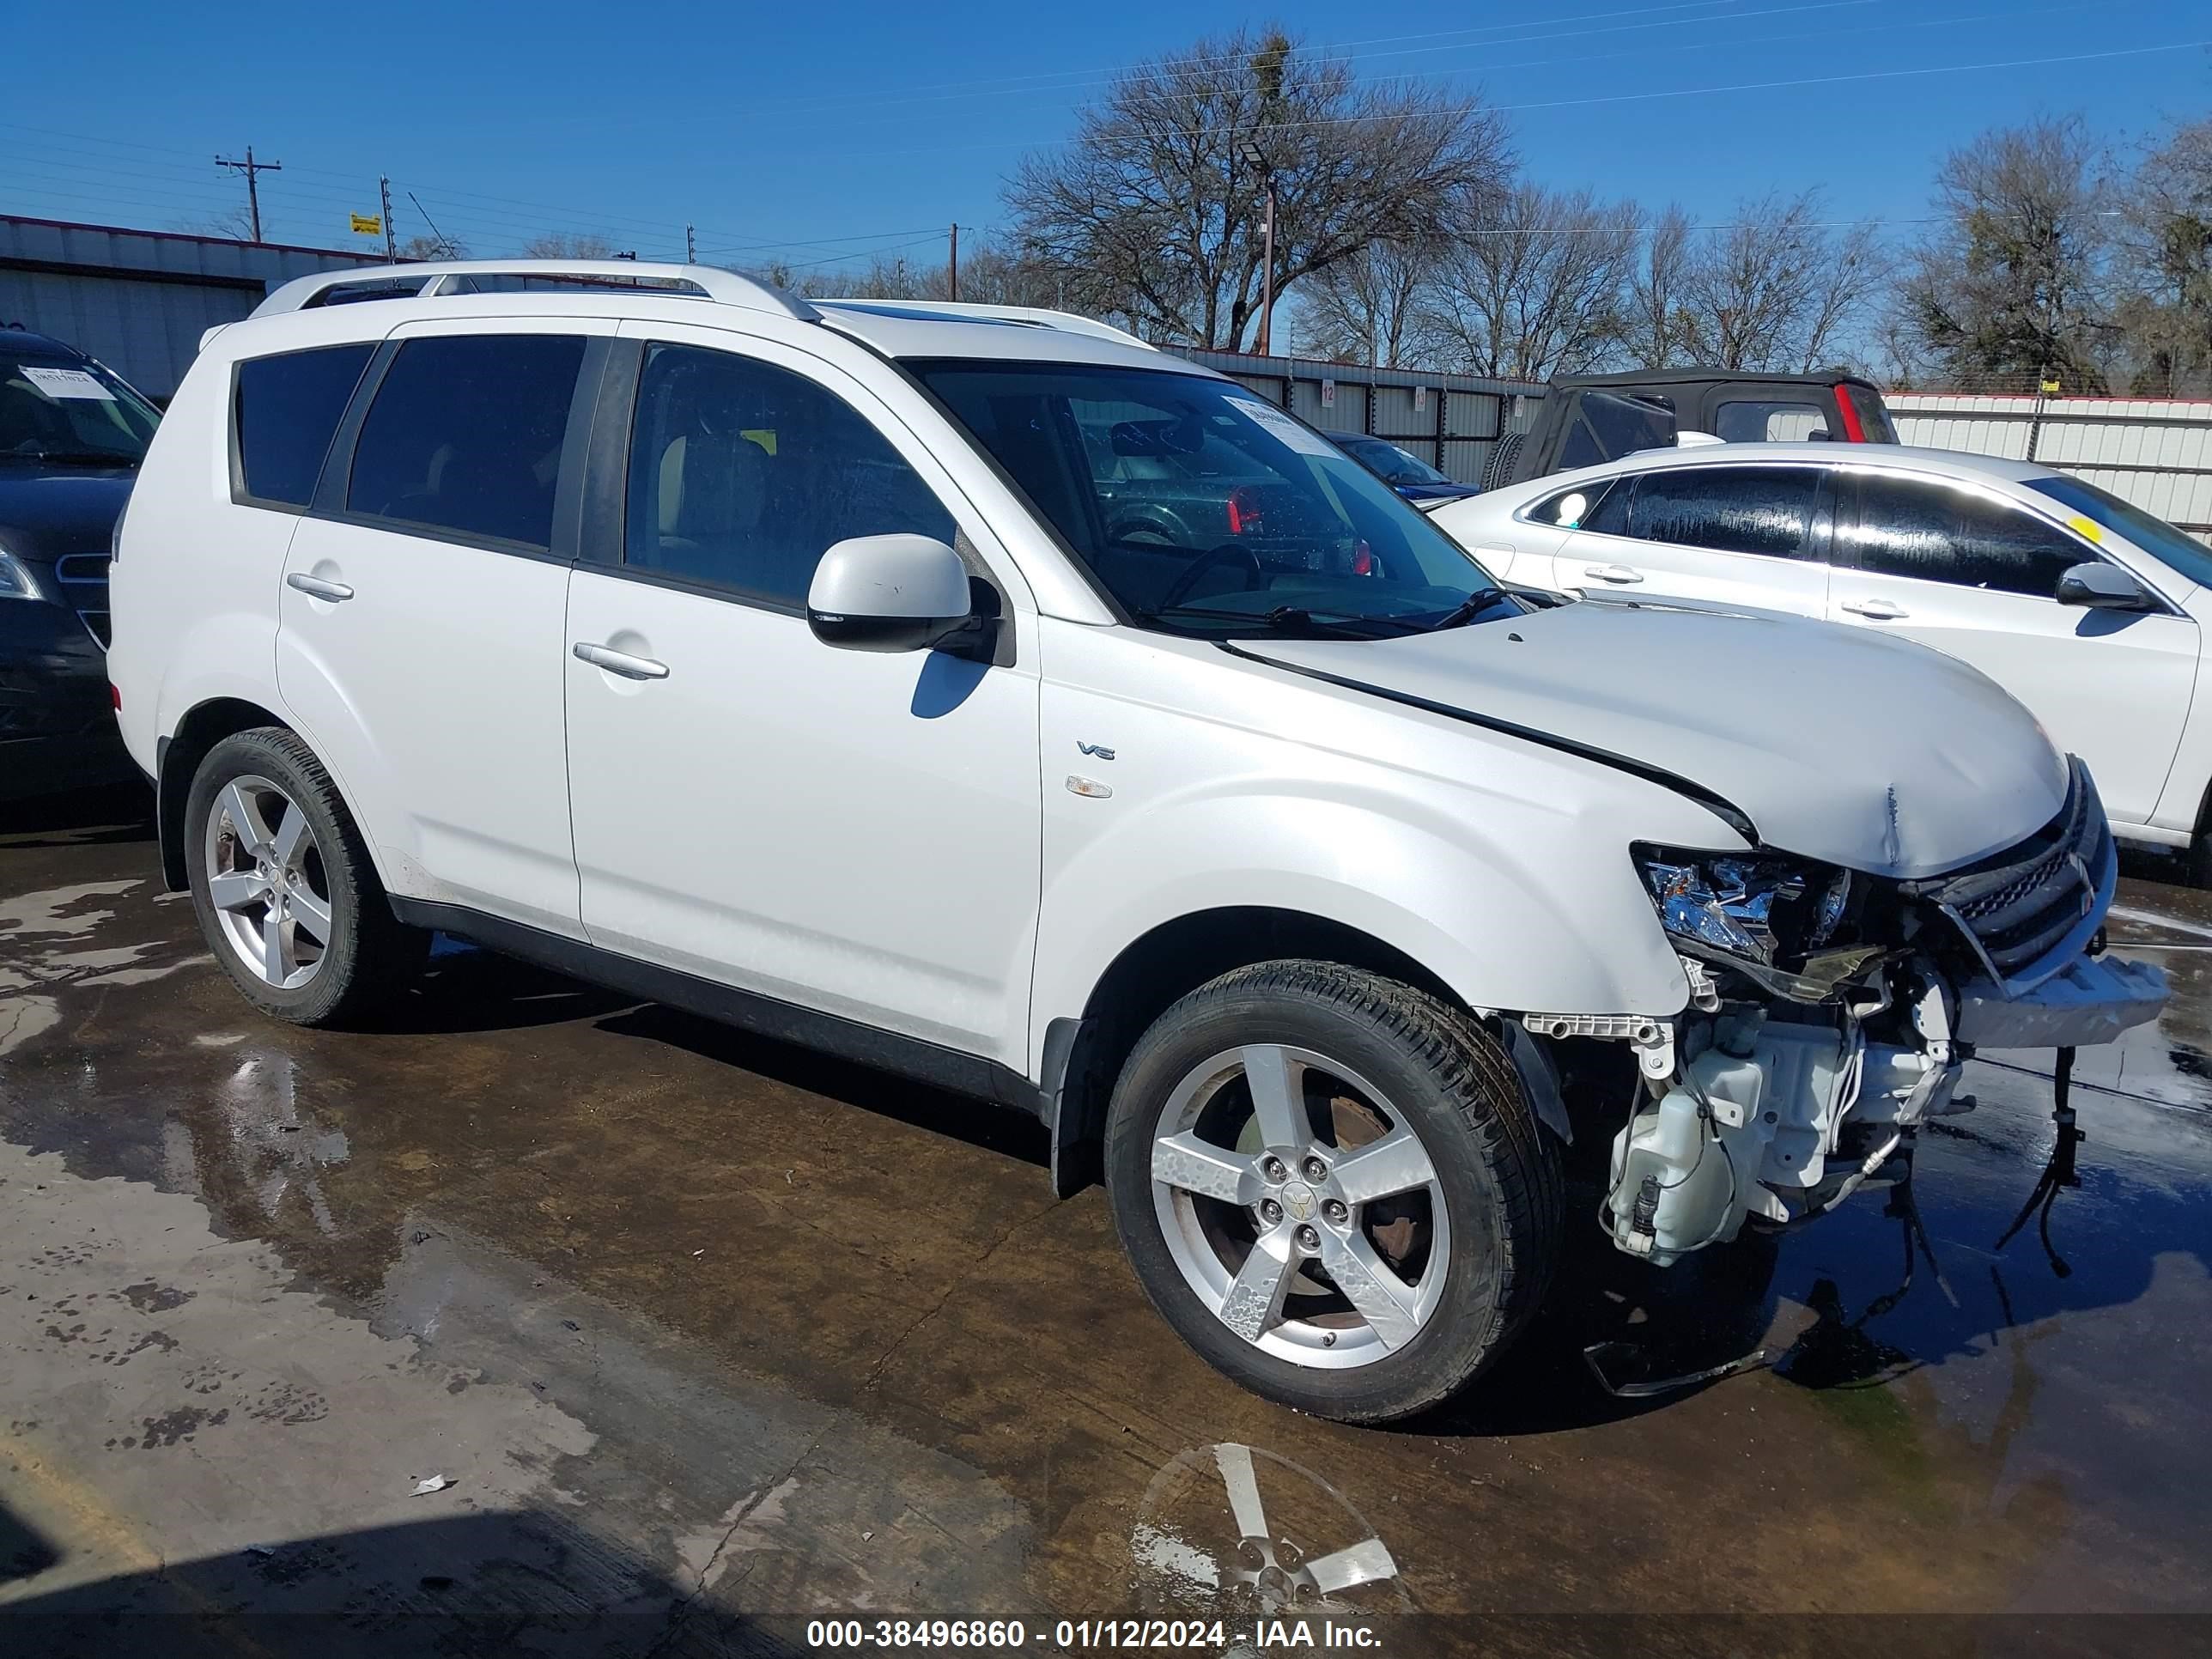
x=286 y=410
x=466 y=436
x=1729 y=509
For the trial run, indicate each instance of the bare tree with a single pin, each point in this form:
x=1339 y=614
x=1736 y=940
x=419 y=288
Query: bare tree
x=229 y=225
x=567 y=245
x=1772 y=288
x=990 y=274
x=1656 y=332
x=1367 y=307
x=432 y=247
x=1153 y=209
x=2165 y=263
x=2015 y=279
x=1535 y=290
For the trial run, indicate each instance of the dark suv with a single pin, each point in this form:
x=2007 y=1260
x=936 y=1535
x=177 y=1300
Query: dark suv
x=72 y=437
x=1586 y=419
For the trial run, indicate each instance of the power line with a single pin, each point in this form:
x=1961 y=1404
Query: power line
x=1346 y=47
x=252 y=170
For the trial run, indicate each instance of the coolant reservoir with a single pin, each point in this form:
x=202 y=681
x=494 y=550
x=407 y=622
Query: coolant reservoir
x=1672 y=1192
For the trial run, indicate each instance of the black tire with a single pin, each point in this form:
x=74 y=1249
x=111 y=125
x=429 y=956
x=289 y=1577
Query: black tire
x=2197 y=860
x=1499 y=1173
x=1508 y=451
x=370 y=957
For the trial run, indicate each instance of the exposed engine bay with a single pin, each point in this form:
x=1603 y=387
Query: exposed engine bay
x=1831 y=1015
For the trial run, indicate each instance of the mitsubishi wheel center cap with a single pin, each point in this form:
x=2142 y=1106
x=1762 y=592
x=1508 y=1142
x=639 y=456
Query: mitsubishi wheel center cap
x=1298 y=1200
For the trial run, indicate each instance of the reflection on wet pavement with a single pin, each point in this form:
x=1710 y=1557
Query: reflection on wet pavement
x=742 y=1330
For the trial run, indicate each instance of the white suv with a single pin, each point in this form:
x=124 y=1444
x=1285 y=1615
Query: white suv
x=985 y=695
x=2088 y=608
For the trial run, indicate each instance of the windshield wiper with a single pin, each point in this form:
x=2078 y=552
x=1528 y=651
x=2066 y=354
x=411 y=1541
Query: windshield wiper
x=1289 y=619
x=1468 y=608
x=72 y=457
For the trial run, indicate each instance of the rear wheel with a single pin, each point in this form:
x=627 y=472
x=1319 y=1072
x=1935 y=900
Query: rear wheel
x=1332 y=1186
x=285 y=891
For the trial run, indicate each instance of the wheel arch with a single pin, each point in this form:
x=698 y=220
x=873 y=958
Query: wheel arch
x=1083 y=1057
x=177 y=761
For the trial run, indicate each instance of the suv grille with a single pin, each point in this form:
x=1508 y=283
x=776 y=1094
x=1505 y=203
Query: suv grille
x=83 y=577
x=2025 y=911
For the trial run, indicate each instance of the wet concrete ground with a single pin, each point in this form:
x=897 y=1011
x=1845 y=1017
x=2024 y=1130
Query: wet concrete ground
x=711 y=1336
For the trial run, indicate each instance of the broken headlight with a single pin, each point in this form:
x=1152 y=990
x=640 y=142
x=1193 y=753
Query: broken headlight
x=1770 y=911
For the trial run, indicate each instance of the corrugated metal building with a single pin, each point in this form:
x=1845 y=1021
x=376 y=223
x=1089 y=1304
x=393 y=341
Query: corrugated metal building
x=2155 y=453
x=140 y=300
x=1452 y=421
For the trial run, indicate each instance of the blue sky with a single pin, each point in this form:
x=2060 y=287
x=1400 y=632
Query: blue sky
x=820 y=133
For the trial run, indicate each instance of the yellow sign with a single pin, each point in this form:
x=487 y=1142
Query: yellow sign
x=2089 y=527
x=365 y=224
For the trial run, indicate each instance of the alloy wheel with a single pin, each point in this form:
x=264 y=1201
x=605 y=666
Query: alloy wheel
x=1300 y=1206
x=268 y=883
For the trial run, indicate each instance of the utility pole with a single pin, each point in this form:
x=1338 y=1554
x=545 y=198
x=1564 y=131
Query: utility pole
x=952 y=272
x=252 y=169
x=690 y=245
x=1252 y=156
x=391 y=248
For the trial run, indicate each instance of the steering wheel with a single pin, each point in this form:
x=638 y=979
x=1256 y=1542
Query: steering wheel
x=1228 y=552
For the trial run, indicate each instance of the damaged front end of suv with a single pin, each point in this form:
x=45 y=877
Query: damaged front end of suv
x=1831 y=1012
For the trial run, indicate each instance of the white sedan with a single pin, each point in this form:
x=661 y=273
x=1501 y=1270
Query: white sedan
x=2089 y=610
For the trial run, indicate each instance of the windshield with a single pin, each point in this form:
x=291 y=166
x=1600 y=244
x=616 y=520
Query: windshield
x=2161 y=540
x=1386 y=459
x=1201 y=509
x=73 y=413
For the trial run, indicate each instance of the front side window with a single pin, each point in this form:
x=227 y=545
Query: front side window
x=285 y=411
x=1766 y=510
x=466 y=436
x=1930 y=530
x=70 y=412
x=1199 y=507
x=742 y=475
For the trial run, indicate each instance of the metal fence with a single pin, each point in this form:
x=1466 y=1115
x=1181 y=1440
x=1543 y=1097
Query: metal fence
x=1453 y=421
x=2155 y=453
x=140 y=300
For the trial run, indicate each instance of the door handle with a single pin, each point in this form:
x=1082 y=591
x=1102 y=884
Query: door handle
x=1874 y=610
x=319 y=587
x=1613 y=573
x=620 y=662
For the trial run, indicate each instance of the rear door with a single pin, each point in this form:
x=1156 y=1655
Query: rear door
x=1752 y=537
x=1975 y=574
x=420 y=626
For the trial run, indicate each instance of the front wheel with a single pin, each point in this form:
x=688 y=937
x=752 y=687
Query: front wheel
x=1332 y=1185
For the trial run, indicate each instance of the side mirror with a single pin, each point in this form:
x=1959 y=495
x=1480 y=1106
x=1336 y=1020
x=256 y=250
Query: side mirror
x=2102 y=587
x=899 y=593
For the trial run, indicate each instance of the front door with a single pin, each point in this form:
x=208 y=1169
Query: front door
x=855 y=833
x=419 y=640
x=1975 y=575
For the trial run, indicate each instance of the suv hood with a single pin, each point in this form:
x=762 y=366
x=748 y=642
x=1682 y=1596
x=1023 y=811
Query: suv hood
x=1853 y=748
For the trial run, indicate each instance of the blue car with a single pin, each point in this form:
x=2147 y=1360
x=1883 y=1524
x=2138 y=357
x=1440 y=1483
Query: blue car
x=1406 y=473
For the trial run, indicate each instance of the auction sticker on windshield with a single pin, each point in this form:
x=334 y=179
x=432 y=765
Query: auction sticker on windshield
x=66 y=382
x=1271 y=419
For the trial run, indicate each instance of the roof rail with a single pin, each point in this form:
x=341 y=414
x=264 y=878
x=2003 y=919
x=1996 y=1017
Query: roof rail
x=1067 y=321
x=436 y=276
